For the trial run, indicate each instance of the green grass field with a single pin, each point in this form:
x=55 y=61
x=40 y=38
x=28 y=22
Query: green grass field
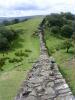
x=14 y=73
x=66 y=61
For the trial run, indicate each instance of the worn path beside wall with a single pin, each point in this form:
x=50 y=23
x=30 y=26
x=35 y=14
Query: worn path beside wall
x=44 y=81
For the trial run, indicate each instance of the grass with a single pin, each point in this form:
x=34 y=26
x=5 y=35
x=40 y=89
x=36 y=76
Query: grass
x=14 y=73
x=65 y=61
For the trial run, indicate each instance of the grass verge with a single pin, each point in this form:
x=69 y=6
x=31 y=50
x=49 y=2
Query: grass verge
x=65 y=61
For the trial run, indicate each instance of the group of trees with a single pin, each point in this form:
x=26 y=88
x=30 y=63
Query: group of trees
x=6 y=37
x=7 y=22
x=13 y=21
x=61 y=24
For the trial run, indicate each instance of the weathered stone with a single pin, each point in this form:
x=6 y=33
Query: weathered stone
x=40 y=89
x=33 y=93
x=47 y=97
x=30 y=98
x=26 y=93
x=36 y=80
x=50 y=84
x=67 y=90
x=49 y=91
x=63 y=86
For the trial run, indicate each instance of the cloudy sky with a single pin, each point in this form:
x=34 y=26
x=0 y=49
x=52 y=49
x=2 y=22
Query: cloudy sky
x=13 y=8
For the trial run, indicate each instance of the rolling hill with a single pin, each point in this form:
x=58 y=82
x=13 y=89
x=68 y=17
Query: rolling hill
x=14 y=73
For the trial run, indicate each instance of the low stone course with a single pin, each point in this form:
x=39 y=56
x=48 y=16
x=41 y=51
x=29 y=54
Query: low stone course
x=44 y=81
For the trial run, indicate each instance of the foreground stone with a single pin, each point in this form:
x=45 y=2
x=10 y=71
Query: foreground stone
x=44 y=81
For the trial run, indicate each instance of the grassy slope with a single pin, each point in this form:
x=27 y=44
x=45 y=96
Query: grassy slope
x=12 y=77
x=63 y=59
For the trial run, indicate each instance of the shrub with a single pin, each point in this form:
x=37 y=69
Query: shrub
x=51 y=51
x=55 y=29
x=67 y=31
x=4 y=44
x=15 y=60
x=26 y=55
x=68 y=44
x=60 y=46
x=20 y=54
x=27 y=50
x=2 y=63
x=5 y=58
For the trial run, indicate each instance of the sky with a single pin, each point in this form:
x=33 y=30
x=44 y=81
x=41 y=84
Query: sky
x=17 y=8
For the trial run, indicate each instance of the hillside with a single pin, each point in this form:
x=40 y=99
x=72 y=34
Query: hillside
x=65 y=61
x=20 y=18
x=59 y=38
x=14 y=73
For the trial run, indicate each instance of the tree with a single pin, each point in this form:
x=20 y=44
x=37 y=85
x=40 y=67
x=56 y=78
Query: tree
x=69 y=16
x=4 y=44
x=9 y=34
x=6 y=22
x=54 y=20
x=55 y=29
x=67 y=31
x=15 y=21
x=68 y=44
x=43 y=22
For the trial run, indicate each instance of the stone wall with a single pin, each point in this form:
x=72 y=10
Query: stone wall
x=44 y=81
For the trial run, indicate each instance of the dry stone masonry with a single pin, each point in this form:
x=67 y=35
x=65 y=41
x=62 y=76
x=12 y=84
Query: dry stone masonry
x=44 y=81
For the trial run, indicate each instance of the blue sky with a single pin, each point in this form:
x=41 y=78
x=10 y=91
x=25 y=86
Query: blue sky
x=13 y=8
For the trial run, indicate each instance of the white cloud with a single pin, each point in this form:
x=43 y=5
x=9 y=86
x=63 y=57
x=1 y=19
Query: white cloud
x=35 y=7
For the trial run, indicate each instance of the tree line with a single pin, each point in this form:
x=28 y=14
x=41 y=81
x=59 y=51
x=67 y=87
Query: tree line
x=62 y=24
x=14 y=21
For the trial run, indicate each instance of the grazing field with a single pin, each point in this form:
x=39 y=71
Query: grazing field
x=65 y=61
x=24 y=52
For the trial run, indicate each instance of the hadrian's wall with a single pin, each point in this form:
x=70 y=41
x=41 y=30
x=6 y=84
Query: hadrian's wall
x=44 y=81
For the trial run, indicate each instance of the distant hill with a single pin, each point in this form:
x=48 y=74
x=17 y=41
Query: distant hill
x=20 y=18
x=11 y=18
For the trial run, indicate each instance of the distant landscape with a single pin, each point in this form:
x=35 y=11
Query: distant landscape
x=20 y=18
